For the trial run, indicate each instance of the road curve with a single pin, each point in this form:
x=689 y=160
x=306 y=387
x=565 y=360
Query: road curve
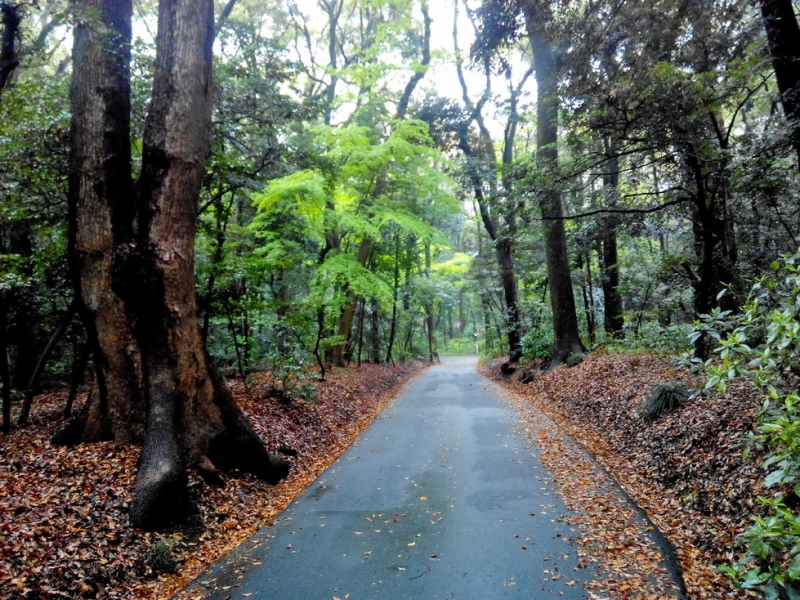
x=441 y=497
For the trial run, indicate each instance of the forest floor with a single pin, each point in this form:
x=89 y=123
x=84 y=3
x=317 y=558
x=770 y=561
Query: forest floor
x=64 y=530
x=684 y=469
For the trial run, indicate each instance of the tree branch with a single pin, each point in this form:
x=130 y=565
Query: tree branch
x=599 y=211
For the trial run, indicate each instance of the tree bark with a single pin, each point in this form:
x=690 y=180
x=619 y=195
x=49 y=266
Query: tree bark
x=613 y=320
x=11 y=20
x=101 y=205
x=783 y=37
x=155 y=383
x=562 y=299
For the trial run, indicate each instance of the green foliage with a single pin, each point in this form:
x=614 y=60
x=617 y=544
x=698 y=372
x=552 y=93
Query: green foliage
x=458 y=346
x=651 y=337
x=763 y=344
x=289 y=376
x=160 y=557
x=537 y=343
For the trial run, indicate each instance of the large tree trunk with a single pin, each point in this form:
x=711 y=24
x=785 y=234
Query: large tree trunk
x=155 y=385
x=562 y=299
x=101 y=204
x=783 y=36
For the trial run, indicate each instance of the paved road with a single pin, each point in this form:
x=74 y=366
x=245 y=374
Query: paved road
x=439 y=498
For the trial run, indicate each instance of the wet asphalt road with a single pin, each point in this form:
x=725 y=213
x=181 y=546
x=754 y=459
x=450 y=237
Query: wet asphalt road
x=441 y=497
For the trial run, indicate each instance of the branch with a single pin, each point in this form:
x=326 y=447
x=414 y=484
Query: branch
x=423 y=68
x=599 y=211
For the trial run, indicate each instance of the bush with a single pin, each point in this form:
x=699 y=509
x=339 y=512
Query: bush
x=651 y=337
x=763 y=345
x=663 y=398
x=160 y=558
x=537 y=343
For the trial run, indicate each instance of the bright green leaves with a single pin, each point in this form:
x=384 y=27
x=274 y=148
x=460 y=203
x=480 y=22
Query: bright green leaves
x=364 y=184
x=302 y=196
x=343 y=269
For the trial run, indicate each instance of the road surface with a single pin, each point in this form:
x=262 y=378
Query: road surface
x=441 y=497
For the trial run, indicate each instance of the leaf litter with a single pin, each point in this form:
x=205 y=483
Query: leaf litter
x=685 y=469
x=64 y=531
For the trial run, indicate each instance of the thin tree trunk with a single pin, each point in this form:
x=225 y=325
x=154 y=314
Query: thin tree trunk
x=40 y=365
x=613 y=319
x=431 y=327
x=78 y=373
x=395 y=292
x=5 y=375
x=374 y=333
x=348 y=314
x=234 y=338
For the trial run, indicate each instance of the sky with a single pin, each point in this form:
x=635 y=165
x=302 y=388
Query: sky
x=442 y=76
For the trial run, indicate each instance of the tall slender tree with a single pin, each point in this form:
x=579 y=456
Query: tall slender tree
x=567 y=339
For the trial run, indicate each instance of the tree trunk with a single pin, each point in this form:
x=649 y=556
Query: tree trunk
x=503 y=246
x=5 y=376
x=613 y=320
x=505 y=262
x=429 y=316
x=8 y=42
x=395 y=293
x=562 y=299
x=340 y=357
x=101 y=204
x=33 y=381
x=155 y=384
x=374 y=333
x=783 y=36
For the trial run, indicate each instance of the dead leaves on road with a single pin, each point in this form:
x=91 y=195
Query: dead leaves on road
x=685 y=469
x=64 y=531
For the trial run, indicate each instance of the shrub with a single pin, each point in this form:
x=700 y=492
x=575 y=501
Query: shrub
x=160 y=558
x=663 y=398
x=763 y=345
